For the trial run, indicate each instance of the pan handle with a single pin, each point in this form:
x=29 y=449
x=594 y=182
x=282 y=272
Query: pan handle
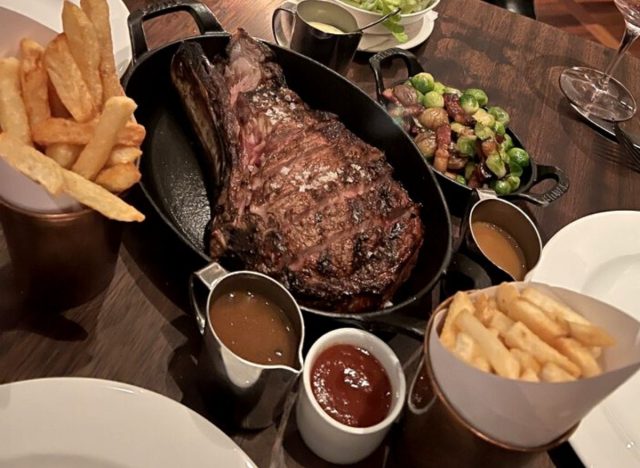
x=543 y=199
x=204 y=18
x=395 y=323
x=376 y=62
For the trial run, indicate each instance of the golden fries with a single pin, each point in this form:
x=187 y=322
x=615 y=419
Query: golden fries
x=34 y=82
x=13 y=113
x=117 y=111
x=497 y=354
x=67 y=80
x=57 y=130
x=63 y=153
x=31 y=163
x=531 y=337
x=118 y=178
x=84 y=47
x=98 y=13
x=67 y=98
x=94 y=196
x=460 y=303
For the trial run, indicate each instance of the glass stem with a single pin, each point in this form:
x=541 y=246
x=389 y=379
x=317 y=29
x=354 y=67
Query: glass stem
x=630 y=35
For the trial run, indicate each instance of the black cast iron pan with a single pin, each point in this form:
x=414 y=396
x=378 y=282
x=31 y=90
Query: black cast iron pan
x=456 y=194
x=173 y=181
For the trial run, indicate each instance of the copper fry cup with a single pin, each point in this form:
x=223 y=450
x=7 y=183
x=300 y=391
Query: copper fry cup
x=530 y=416
x=60 y=260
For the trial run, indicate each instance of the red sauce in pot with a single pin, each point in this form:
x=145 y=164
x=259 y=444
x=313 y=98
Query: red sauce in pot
x=351 y=386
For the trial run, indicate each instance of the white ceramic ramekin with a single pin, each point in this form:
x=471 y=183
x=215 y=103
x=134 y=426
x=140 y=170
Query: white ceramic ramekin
x=329 y=439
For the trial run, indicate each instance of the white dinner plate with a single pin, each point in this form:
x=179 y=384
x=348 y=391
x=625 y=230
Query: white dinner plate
x=419 y=33
x=91 y=423
x=599 y=255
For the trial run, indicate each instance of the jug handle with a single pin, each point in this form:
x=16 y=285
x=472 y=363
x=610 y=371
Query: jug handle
x=288 y=8
x=201 y=284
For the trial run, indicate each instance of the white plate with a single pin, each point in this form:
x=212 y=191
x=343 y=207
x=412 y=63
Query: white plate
x=90 y=423
x=599 y=255
x=418 y=33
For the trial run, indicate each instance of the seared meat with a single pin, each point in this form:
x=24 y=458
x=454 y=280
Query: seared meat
x=303 y=199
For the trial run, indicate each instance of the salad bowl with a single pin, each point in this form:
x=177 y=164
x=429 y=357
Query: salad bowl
x=366 y=12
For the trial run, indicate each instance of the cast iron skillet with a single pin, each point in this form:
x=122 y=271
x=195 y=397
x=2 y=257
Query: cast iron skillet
x=458 y=195
x=174 y=183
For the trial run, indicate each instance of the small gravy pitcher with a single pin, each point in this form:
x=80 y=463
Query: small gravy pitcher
x=253 y=393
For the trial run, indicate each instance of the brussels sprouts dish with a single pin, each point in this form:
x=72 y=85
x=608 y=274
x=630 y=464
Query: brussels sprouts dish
x=458 y=132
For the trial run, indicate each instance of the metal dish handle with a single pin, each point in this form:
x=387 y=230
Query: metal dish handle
x=376 y=62
x=200 y=285
x=205 y=20
x=545 y=173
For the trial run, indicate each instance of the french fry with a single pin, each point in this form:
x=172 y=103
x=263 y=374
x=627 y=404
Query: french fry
x=501 y=322
x=56 y=130
x=63 y=153
x=551 y=307
x=31 y=163
x=98 y=13
x=529 y=375
x=67 y=79
x=551 y=372
x=459 y=303
x=117 y=111
x=481 y=363
x=465 y=347
x=118 y=178
x=536 y=320
x=101 y=200
x=13 y=114
x=579 y=355
x=55 y=104
x=596 y=351
x=34 y=82
x=483 y=311
x=526 y=360
x=496 y=353
x=519 y=336
x=590 y=335
x=84 y=47
x=123 y=155
x=505 y=294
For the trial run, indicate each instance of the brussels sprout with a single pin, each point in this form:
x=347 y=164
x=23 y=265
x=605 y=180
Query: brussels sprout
x=515 y=169
x=519 y=156
x=480 y=95
x=469 y=104
x=433 y=118
x=482 y=132
x=423 y=82
x=507 y=142
x=503 y=155
x=433 y=99
x=499 y=128
x=501 y=187
x=439 y=87
x=483 y=117
x=461 y=180
x=513 y=181
x=496 y=165
x=500 y=115
x=466 y=145
x=457 y=127
x=469 y=170
x=450 y=90
x=426 y=142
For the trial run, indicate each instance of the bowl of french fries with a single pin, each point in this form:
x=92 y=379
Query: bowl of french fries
x=66 y=123
x=520 y=364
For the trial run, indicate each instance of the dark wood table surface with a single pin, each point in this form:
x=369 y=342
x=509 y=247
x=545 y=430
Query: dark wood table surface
x=140 y=330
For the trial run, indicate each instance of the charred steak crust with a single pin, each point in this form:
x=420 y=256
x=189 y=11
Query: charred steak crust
x=302 y=199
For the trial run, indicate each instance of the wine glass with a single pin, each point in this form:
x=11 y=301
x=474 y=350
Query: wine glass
x=597 y=93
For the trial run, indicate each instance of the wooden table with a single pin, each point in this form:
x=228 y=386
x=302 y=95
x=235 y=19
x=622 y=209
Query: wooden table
x=140 y=329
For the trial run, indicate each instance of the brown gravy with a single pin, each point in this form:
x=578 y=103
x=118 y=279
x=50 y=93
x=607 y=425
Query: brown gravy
x=500 y=248
x=254 y=328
